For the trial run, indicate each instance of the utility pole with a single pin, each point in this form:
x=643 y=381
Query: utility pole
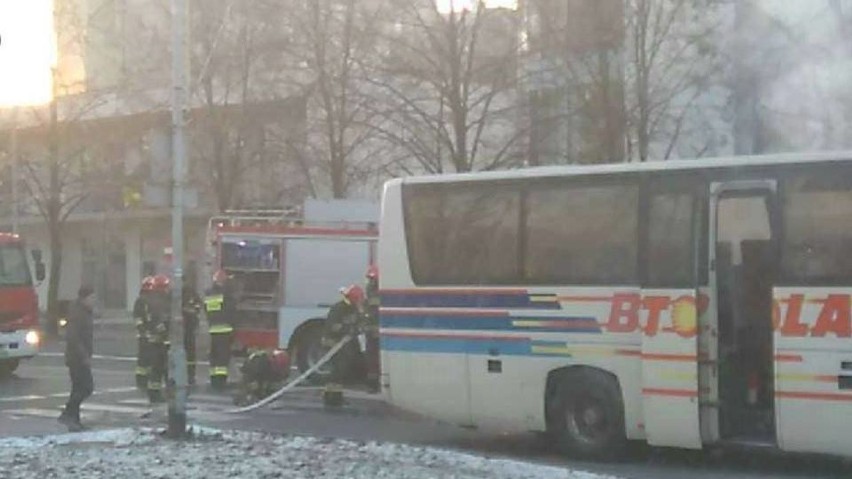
x=177 y=385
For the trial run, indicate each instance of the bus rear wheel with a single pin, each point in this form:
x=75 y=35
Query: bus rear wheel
x=587 y=415
x=7 y=367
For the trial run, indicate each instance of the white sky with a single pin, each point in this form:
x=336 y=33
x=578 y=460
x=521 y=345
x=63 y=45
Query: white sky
x=27 y=51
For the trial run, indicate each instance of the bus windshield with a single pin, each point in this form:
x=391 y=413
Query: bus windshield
x=14 y=270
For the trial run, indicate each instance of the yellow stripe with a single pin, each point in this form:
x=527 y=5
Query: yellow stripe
x=527 y=323
x=221 y=329
x=577 y=351
x=679 y=375
x=543 y=298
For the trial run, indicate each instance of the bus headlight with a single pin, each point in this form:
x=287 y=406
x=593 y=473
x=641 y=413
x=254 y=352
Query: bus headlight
x=32 y=338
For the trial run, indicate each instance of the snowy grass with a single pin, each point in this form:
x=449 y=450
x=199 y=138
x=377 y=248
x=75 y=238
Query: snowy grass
x=138 y=453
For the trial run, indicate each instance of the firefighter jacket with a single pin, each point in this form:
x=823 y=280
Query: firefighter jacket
x=343 y=318
x=158 y=318
x=192 y=307
x=140 y=315
x=373 y=305
x=218 y=305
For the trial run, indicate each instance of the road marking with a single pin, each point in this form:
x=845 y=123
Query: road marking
x=114 y=408
x=129 y=359
x=21 y=398
x=31 y=411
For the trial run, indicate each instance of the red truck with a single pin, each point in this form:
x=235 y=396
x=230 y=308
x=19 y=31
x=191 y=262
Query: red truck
x=19 y=321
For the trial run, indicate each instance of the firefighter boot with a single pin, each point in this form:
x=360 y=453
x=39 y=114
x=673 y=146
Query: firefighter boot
x=332 y=395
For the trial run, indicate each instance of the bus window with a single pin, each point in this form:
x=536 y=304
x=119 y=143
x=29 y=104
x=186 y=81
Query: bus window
x=582 y=235
x=817 y=231
x=670 y=247
x=463 y=236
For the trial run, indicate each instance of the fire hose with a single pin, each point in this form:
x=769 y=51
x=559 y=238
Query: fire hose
x=292 y=384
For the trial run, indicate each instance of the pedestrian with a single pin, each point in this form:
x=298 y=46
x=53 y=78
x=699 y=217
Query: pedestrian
x=220 y=303
x=79 y=339
x=192 y=307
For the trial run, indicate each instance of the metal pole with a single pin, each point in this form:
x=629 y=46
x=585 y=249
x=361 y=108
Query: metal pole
x=177 y=355
x=14 y=148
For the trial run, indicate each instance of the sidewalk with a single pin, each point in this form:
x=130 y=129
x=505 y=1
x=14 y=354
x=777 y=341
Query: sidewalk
x=21 y=426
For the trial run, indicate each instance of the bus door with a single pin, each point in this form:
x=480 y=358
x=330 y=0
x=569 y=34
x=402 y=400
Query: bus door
x=743 y=256
x=671 y=244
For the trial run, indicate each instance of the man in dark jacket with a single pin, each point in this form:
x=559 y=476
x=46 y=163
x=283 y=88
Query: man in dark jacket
x=78 y=356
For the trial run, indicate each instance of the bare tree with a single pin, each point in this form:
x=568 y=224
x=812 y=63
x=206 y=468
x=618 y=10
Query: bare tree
x=336 y=43
x=671 y=60
x=450 y=80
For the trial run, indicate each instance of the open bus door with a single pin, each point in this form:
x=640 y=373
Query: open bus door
x=743 y=255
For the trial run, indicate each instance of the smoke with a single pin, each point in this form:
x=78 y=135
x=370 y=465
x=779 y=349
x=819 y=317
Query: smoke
x=806 y=104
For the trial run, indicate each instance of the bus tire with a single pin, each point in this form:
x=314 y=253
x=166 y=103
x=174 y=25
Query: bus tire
x=587 y=415
x=309 y=348
x=7 y=367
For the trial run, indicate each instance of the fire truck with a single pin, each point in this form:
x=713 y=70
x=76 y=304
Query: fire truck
x=289 y=266
x=19 y=325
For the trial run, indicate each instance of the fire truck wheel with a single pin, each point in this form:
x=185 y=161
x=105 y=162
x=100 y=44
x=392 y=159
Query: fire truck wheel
x=7 y=367
x=587 y=415
x=309 y=350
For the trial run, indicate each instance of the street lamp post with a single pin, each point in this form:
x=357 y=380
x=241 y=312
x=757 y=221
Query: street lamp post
x=177 y=354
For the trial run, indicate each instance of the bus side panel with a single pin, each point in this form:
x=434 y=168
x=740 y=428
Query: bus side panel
x=430 y=383
x=566 y=328
x=813 y=343
x=670 y=368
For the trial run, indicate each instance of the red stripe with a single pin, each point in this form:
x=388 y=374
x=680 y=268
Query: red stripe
x=586 y=299
x=438 y=312
x=669 y=357
x=296 y=231
x=401 y=334
x=681 y=393
x=788 y=358
x=463 y=292
x=628 y=352
x=814 y=396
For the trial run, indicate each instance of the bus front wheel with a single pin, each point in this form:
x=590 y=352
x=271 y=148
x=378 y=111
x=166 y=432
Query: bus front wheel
x=587 y=415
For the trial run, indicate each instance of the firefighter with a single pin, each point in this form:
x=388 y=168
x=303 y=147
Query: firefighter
x=372 y=329
x=140 y=314
x=344 y=317
x=191 y=313
x=219 y=305
x=263 y=372
x=158 y=336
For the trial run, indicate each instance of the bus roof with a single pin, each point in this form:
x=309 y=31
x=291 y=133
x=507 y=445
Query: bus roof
x=650 y=166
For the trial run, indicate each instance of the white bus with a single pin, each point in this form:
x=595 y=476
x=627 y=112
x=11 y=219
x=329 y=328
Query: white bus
x=683 y=303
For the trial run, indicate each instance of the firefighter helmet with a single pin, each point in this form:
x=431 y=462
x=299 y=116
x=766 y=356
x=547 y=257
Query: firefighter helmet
x=148 y=283
x=372 y=272
x=353 y=294
x=220 y=276
x=161 y=283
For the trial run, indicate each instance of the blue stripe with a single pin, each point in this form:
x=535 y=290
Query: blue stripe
x=456 y=346
x=485 y=300
x=479 y=323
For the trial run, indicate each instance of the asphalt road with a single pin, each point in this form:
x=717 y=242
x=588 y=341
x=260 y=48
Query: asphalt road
x=31 y=400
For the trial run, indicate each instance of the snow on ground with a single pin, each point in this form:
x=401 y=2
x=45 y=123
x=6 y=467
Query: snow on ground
x=132 y=454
